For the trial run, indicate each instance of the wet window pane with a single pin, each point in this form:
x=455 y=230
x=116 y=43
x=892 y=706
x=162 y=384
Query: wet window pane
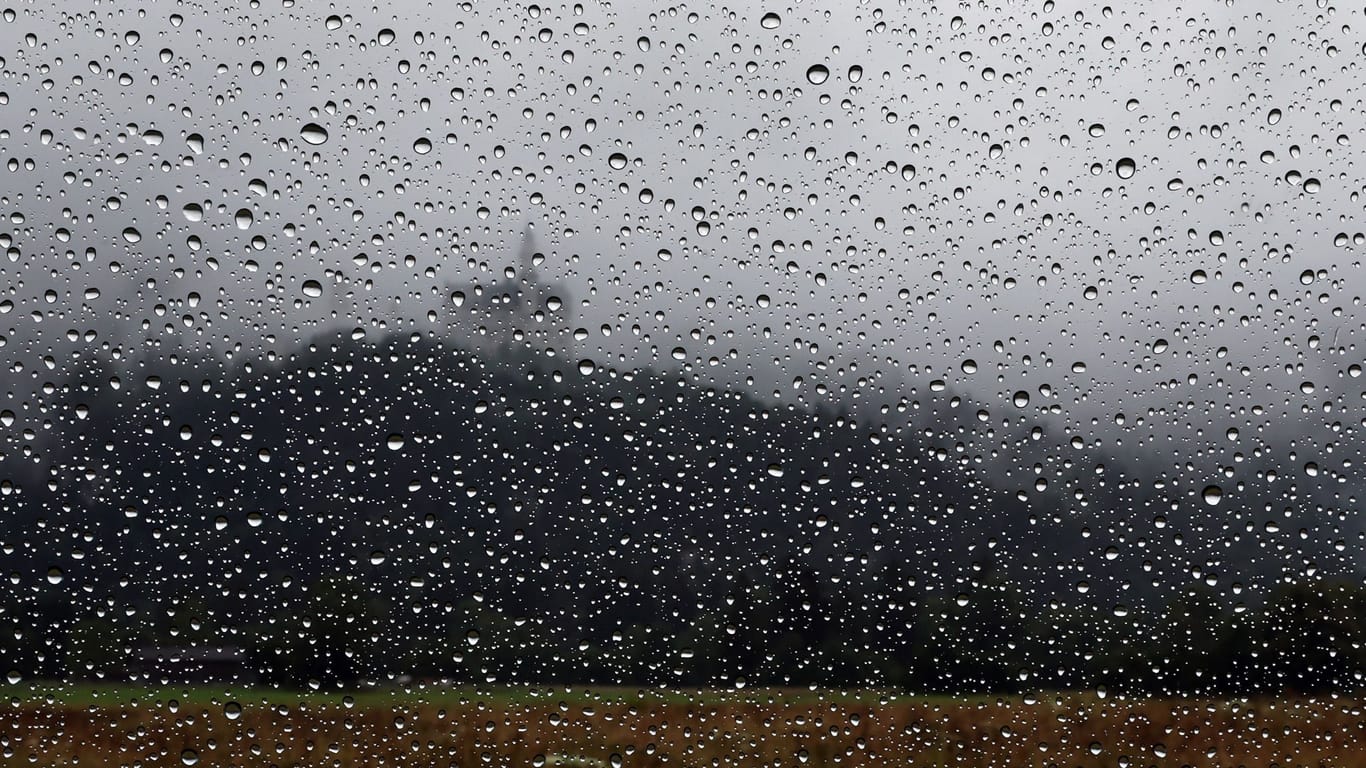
x=603 y=384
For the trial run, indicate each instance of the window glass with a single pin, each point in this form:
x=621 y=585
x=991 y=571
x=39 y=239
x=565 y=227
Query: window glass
x=616 y=384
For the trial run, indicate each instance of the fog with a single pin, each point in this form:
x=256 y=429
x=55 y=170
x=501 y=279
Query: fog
x=1126 y=213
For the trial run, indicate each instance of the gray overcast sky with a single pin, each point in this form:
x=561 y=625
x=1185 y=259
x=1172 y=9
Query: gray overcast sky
x=858 y=195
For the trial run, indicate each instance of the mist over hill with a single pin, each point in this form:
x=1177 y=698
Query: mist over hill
x=562 y=520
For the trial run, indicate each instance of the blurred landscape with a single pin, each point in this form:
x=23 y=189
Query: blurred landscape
x=607 y=384
x=588 y=728
x=360 y=510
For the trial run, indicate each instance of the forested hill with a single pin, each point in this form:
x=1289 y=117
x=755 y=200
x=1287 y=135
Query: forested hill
x=541 y=518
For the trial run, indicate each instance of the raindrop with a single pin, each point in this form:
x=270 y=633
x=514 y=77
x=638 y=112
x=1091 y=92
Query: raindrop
x=395 y=441
x=817 y=74
x=771 y=21
x=313 y=134
x=132 y=235
x=422 y=146
x=1212 y=495
x=1125 y=168
x=312 y=289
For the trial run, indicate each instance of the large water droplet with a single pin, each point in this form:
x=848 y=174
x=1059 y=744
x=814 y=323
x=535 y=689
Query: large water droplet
x=313 y=134
x=1212 y=495
x=817 y=74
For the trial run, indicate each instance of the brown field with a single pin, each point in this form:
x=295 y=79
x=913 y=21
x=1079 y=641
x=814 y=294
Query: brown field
x=763 y=729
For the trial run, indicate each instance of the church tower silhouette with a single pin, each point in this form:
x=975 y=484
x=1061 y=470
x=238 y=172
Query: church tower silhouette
x=515 y=310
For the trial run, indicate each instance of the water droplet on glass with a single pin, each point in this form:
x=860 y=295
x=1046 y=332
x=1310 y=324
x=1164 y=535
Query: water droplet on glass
x=771 y=21
x=817 y=74
x=312 y=289
x=1212 y=495
x=1125 y=168
x=313 y=134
